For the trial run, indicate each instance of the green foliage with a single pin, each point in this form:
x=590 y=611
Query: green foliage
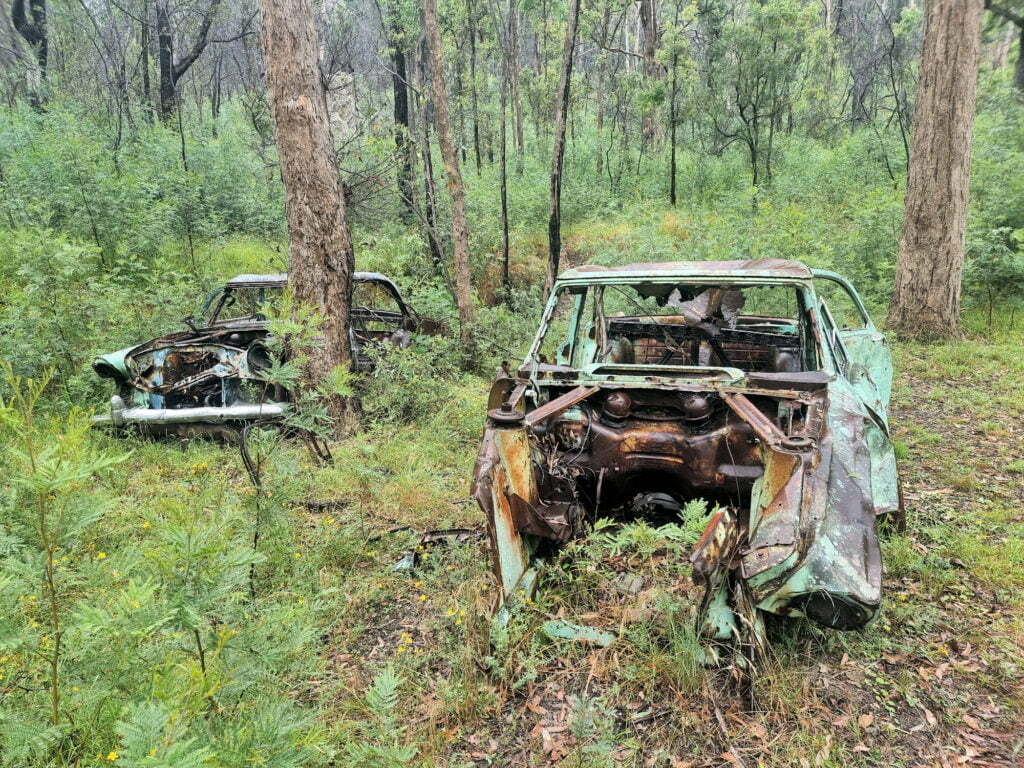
x=381 y=745
x=133 y=636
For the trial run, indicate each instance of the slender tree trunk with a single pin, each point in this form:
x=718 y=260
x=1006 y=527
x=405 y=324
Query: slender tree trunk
x=460 y=232
x=400 y=87
x=33 y=29
x=506 y=77
x=144 y=43
x=517 y=101
x=320 y=256
x=460 y=101
x=1018 y=69
x=172 y=71
x=1016 y=19
x=926 y=300
x=602 y=73
x=165 y=62
x=216 y=91
x=471 y=21
x=558 y=151
x=672 y=132
x=429 y=189
x=649 y=26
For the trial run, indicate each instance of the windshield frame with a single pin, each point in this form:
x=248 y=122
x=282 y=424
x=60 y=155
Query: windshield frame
x=579 y=289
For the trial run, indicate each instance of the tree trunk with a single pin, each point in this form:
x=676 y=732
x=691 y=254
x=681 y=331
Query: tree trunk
x=649 y=25
x=672 y=133
x=471 y=20
x=429 y=189
x=517 y=101
x=172 y=71
x=460 y=233
x=400 y=87
x=1018 y=69
x=320 y=256
x=33 y=30
x=926 y=300
x=506 y=78
x=165 y=62
x=1017 y=19
x=602 y=70
x=558 y=151
x=503 y=144
x=147 y=88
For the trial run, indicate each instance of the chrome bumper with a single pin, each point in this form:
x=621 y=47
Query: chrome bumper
x=120 y=415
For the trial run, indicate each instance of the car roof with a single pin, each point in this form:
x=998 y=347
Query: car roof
x=742 y=269
x=280 y=279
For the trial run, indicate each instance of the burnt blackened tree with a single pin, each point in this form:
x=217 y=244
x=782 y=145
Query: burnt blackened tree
x=31 y=25
x=172 y=69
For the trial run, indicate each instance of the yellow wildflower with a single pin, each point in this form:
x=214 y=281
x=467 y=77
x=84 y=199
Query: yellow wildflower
x=101 y=555
x=112 y=756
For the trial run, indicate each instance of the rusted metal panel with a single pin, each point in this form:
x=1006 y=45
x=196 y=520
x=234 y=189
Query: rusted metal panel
x=559 y=404
x=797 y=460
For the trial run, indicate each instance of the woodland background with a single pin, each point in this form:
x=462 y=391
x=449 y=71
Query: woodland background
x=138 y=170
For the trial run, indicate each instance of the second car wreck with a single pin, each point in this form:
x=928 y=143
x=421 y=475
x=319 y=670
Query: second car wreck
x=648 y=386
x=212 y=374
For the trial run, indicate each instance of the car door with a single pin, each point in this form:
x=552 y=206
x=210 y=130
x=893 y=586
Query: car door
x=869 y=368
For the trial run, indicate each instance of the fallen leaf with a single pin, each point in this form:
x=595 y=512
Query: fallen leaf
x=972 y=722
x=865 y=721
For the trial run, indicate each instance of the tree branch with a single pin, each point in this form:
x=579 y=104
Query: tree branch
x=1006 y=13
x=201 y=40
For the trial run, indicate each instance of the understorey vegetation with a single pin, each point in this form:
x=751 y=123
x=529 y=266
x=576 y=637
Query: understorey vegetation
x=183 y=603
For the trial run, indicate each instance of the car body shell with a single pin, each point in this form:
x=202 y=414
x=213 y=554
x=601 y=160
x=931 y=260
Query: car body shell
x=801 y=458
x=211 y=375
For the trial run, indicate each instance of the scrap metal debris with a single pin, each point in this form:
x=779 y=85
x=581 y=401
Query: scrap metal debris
x=444 y=537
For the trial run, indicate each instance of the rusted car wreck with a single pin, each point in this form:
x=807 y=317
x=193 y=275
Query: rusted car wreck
x=653 y=384
x=213 y=373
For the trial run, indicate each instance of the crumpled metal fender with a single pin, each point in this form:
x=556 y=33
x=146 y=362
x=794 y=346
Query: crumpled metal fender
x=813 y=547
x=503 y=477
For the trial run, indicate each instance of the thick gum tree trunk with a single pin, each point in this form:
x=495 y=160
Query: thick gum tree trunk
x=926 y=301
x=320 y=257
x=442 y=121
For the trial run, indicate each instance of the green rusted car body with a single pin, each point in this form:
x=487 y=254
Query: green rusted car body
x=759 y=386
x=209 y=378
